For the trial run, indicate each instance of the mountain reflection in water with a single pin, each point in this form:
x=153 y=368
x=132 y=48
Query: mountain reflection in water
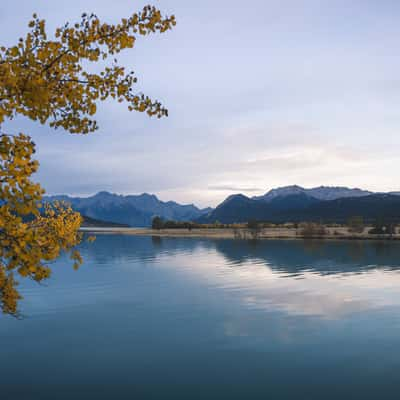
x=185 y=318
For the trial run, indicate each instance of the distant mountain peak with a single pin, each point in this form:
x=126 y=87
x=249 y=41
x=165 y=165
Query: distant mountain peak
x=134 y=210
x=294 y=187
x=147 y=195
x=233 y=197
x=103 y=194
x=296 y=204
x=320 y=192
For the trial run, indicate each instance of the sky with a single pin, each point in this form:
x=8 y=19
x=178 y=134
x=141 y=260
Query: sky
x=261 y=94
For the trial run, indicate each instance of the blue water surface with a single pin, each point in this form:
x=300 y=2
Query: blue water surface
x=182 y=318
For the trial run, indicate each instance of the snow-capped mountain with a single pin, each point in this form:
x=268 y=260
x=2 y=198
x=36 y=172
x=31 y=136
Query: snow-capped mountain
x=320 y=193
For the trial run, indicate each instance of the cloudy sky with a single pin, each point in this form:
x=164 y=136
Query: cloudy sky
x=261 y=93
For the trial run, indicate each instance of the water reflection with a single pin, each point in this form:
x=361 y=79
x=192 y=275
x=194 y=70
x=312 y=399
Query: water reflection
x=288 y=256
x=323 y=257
x=316 y=278
x=178 y=318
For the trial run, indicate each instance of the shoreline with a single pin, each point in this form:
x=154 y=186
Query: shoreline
x=242 y=233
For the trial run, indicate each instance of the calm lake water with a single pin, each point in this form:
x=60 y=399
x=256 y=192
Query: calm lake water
x=151 y=318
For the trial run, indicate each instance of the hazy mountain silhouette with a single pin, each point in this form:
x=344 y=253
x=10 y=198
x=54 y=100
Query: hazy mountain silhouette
x=285 y=204
x=302 y=207
x=134 y=210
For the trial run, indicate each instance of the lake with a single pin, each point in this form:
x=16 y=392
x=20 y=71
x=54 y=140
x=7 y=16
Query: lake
x=176 y=318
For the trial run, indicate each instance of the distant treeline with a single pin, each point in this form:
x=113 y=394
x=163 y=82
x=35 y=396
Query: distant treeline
x=89 y=222
x=355 y=224
x=159 y=223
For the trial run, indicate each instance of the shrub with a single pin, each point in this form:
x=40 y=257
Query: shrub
x=254 y=228
x=157 y=223
x=310 y=229
x=356 y=224
x=238 y=234
x=382 y=227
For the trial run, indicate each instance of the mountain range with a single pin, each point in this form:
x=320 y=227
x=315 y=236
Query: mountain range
x=285 y=204
x=320 y=193
x=296 y=204
x=133 y=210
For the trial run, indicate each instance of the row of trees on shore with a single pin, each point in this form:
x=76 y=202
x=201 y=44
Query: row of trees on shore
x=354 y=225
x=159 y=223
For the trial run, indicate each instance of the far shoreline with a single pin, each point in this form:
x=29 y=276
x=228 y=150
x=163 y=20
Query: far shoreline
x=277 y=233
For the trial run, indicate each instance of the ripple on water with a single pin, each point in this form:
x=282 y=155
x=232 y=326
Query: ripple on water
x=144 y=313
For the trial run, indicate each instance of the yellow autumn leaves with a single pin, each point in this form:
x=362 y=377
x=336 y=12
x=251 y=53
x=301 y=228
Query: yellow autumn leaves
x=30 y=234
x=48 y=80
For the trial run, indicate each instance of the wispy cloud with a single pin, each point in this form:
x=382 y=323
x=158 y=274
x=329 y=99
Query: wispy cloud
x=297 y=94
x=234 y=188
